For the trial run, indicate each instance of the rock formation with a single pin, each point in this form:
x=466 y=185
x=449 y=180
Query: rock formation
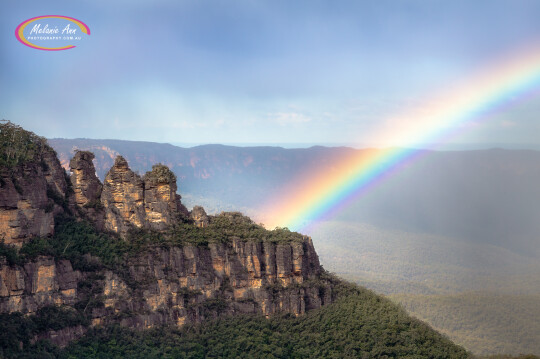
x=178 y=285
x=55 y=175
x=211 y=273
x=123 y=198
x=161 y=202
x=32 y=188
x=131 y=201
x=199 y=216
x=41 y=282
x=25 y=209
x=87 y=187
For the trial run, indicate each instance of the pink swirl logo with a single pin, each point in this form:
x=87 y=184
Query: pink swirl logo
x=57 y=31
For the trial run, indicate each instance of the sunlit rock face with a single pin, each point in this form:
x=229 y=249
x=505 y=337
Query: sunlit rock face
x=132 y=201
x=178 y=285
x=86 y=186
x=123 y=198
x=33 y=192
x=39 y=283
x=161 y=202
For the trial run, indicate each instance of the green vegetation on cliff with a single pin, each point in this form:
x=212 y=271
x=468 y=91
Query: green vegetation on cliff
x=19 y=333
x=18 y=145
x=160 y=174
x=229 y=225
x=74 y=239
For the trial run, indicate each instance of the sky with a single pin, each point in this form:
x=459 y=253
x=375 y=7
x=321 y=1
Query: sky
x=262 y=72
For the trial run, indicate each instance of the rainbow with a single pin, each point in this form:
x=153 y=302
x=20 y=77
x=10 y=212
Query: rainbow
x=318 y=195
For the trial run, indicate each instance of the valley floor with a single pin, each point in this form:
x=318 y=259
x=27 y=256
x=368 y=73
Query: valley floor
x=483 y=297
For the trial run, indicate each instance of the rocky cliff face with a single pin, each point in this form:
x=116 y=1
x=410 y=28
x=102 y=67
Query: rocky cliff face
x=175 y=285
x=86 y=186
x=31 y=192
x=39 y=283
x=192 y=283
x=203 y=270
x=34 y=191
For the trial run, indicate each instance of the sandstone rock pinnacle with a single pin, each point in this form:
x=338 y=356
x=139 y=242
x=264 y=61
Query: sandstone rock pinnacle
x=87 y=187
x=123 y=198
x=161 y=203
x=132 y=201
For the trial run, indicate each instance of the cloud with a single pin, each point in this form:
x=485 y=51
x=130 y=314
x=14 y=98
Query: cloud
x=289 y=118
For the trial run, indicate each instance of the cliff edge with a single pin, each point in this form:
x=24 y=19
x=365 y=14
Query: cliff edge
x=127 y=251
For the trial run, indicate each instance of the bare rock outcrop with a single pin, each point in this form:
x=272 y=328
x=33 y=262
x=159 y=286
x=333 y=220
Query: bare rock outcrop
x=148 y=202
x=199 y=217
x=161 y=202
x=34 y=188
x=54 y=173
x=25 y=208
x=123 y=198
x=178 y=284
x=87 y=187
x=238 y=277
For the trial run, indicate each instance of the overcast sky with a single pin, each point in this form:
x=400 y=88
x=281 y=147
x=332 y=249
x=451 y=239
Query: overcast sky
x=259 y=71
